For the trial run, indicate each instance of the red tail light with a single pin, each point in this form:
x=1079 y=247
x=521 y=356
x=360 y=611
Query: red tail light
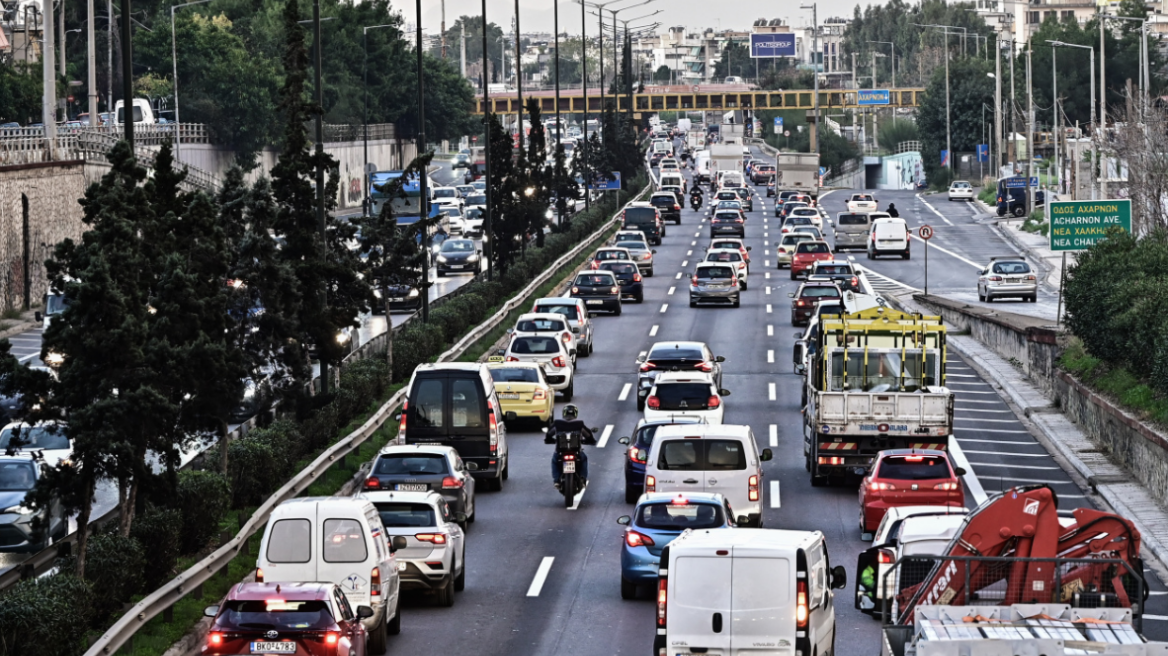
x=330 y=639
x=653 y=402
x=801 y=604
x=704 y=366
x=372 y=483
x=883 y=557
x=650 y=483
x=512 y=358
x=945 y=487
x=752 y=486
x=433 y=538
x=635 y=539
x=538 y=395
x=636 y=277
x=569 y=456
x=738 y=220
x=633 y=454
x=800 y=303
x=881 y=486
x=566 y=338
x=996 y=278
x=558 y=361
x=649 y=365
x=401 y=425
x=713 y=402
x=662 y=589
x=734 y=282
x=214 y=639
x=259 y=575
x=676 y=207
x=615 y=290
x=693 y=281
x=375 y=582
x=493 y=427
x=451 y=483
x=575 y=290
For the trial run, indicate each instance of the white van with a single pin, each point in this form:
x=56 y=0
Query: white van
x=744 y=591
x=730 y=178
x=673 y=179
x=142 y=111
x=720 y=458
x=888 y=236
x=336 y=540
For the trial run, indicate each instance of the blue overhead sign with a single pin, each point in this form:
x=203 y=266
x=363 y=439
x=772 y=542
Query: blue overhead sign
x=778 y=124
x=604 y=184
x=983 y=152
x=1019 y=182
x=873 y=97
x=772 y=45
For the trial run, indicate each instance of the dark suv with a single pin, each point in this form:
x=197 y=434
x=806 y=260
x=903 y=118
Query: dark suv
x=666 y=203
x=646 y=218
x=727 y=222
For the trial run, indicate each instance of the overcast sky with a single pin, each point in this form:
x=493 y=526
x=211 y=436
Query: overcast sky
x=537 y=15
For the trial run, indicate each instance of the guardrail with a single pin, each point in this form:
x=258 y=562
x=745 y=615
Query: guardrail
x=166 y=596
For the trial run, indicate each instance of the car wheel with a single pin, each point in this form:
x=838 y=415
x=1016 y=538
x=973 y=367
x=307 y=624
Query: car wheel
x=1034 y=298
x=460 y=580
x=631 y=494
x=618 y=310
x=649 y=273
x=870 y=256
x=980 y=296
x=793 y=275
x=640 y=298
x=906 y=256
x=439 y=273
x=628 y=590
x=506 y=469
x=377 y=637
x=988 y=298
x=446 y=594
x=569 y=390
x=640 y=403
x=737 y=301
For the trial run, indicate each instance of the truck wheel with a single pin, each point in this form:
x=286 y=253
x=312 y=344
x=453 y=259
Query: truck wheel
x=1019 y=211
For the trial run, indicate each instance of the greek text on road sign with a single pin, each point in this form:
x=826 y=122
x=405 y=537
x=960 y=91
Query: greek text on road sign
x=926 y=232
x=1076 y=225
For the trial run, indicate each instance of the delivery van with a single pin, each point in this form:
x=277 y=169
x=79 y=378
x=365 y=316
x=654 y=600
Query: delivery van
x=888 y=236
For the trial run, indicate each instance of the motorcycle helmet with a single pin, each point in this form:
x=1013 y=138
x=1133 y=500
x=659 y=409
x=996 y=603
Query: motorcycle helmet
x=570 y=412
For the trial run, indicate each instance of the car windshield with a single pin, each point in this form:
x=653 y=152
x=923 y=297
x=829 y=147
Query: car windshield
x=792 y=239
x=804 y=211
x=961 y=185
x=812 y=247
x=407 y=515
x=727 y=195
x=626 y=237
x=726 y=216
x=853 y=219
x=476 y=199
x=568 y=311
x=611 y=255
x=412 y=464
x=593 y=280
x=535 y=346
x=514 y=375
x=913 y=468
x=665 y=201
x=819 y=291
x=723 y=245
x=674 y=516
x=676 y=353
x=683 y=396
x=277 y=614
x=538 y=325
x=743 y=192
x=16 y=476
x=1009 y=268
x=458 y=246
x=51 y=437
x=714 y=272
x=621 y=268
x=724 y=256
x=831 y=269
x=798 y=220
x=636 y=245
x=701 y=455
x=445 y=193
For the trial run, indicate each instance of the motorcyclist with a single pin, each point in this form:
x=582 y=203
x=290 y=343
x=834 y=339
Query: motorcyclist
x=892 y=211
x=569 y=424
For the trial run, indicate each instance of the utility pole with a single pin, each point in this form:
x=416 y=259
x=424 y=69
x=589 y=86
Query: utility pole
x=91 y=63
x=559 y=123
x=1029 y=131
x=1013 y=112
x=321 y=225
x=462 y=54
x=997 y=106
x=948 y=118
x=1098 y=159
x=875 y=133
x=127 y=76
x=488 y=225
x=424 y=175
x=109 y=62
x=814 y=7
x=61 y=39
x=49 y=80
x=443 y=30
x=519 y=76
x=1055 y=124
x=584 y=79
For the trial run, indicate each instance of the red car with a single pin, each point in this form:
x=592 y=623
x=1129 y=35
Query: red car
x=306 y=619
x=807 y=299
x=908 y=477
x=806 y=254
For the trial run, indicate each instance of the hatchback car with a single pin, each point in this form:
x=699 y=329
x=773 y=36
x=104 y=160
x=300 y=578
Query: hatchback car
x=667 y=203
x=1007 y=277
x=806 y=255
x=809 y=212
x=685 y=394
x=747 y=198
x=548 y=352
x=425 y=468
x=808 y=297
x=733 y=258
x=642 y=255
x=841 y=272
x=727 y=205
x=908 y=477
x=628 y=276
x=815 y=233
x=725 y=194
x=457 y=256
x=434 y=556
x=21 y=528
x=715 y=283
x=760 y=173
x=308 y=619
x=599 y=291
x=782 y=210
x=675 y=356
x=523 y=389
x=611 y=253
x=574 y=311
x=862 y=203
x=770 y=185
x=546 y=323
x=628 y=235
x=723 y=243
x=786 y=248
x=638 y=452
x=659 y=518
x=960 y=190
x=727 y=222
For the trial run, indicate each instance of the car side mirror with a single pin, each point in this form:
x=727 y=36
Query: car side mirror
x=790 y=294
x=719 y=358
x=800 y=369
x=743 y=520
x=501 y=352
x=510 y=330
x=211 y=611
x=624 y=520
x=39 y=316
x=364 y=612
x=397 y=417
x=839 y=577
x=960 y=471
x=472 y=466
x=460 y=517
x=723 y=392
x=749 y=248
x=510 y=416
x=572 y=353
x=397 y=542
x=623 y=440
x=595 y=429
x=766 y=455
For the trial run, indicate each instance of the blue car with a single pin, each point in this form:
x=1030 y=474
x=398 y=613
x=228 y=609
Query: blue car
x=638 y=452
x=659 y=518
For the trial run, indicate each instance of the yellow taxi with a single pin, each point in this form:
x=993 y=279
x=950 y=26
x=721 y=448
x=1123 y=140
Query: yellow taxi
x=523 y=389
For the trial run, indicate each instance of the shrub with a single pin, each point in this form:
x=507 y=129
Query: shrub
x=161 y=530
x=250 y=469
x=115 y=569
x=361 y=383
x=203 y=498
x=46 y=616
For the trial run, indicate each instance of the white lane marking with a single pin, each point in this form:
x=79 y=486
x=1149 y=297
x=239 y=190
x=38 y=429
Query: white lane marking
x=952 y=254
x=766 y=263
x=771 y=391
x=1012 y=453
x=698 y=234
x=766 y=234
x=977 y=392
x=766 y=243
x=953 y=375
x=935 y=210
x=771 y=356
x=684 y=263
x=970 y=478
x=541 y=574
x=663 y=306
x=678 y=276
x=768 y=308
x=1160 y=618
x=774 y=435
x=768 y=289
x=653 y=331
x=768 y=275
x=775 y=501
x=770 y=331
x=993 y=421
x=604 y=436
x=997 y=430
x=999 y=412
x=688 y=253
x=29 y=357
x=976 y=401
x=671 y=290
x=994 y=464
x=693 y=243
x=624 y=395
x=970 y=439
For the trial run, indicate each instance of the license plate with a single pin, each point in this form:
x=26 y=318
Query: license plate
x=595 y=302
x=397 y=299
x=411 y=487
x=715 y=286
x=401 y=566
x=509 y=397
x=273 y=647
x=569 y=466
x=1011 y=279
x=456 y=266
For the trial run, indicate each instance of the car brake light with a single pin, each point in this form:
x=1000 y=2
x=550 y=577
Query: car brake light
x=914 y=458
x=616 y=290
x=433 y=538
x=752 y=486
x=996 y=278
x=946 y=487
x=512 y=358
x=879 y=485
x=800 y=303
x=676 y=207
x=575 y=290
x=650 y=483
x=493 y=427
x=633 y=454
x=635 y=539
x=214 y=638
x=538 y=395
x=782 y=250
x=738 y=220
x=566 y=338
x=1031 y=278
x=693 y=281
x=558 y=362
x=653 y=402
x=451 y=483
x=375 y=582
x=713 y=401
x=401 y=425
x=636 y=277
x=704 y=366
x=259 y=577
x=372 y=483
x=330 y=639
x=647 y=366
x=801 y=604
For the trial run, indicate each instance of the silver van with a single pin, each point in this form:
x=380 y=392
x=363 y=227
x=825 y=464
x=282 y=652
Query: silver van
x=851 y=230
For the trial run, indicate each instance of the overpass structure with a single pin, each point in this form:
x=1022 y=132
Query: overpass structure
x=706 y=97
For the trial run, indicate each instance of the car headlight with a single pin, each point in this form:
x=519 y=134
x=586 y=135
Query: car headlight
x=442 y=258
x=377 y=293
x=342 y=337
x=413 y=293
x=249 y=392
x=473 y=258
x=54 y=359
x=19 y=509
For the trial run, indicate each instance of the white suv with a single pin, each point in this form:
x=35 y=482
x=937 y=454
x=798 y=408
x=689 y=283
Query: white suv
x=547 y=323
x=551 y=354
x=685 y=394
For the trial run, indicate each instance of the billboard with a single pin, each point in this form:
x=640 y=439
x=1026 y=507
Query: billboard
x=604 y=184
x=772 y=45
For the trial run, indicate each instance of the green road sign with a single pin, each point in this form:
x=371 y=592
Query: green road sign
x=1076 y=225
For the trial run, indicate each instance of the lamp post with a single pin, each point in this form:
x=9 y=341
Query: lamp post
x=891 y=61
x=584 y=90
x=422 y=177
x=948 y=122
x=488 y=225
x=814 y=7
x=368 y=207
x=614 y=12
x=518 y=77
x=1061 y=44
x=174 y=80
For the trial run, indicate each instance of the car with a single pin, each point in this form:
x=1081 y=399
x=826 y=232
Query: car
x=48 y=438
x=908 y=477
x=894 y=518
x=770 y=185
x=728 y=205
x=655 y=158
x=669 y=164
x=628 y=276
x=1004 y=277
x=426 y=468
x=611 y=254
x=793 y=221
x=309 y=618
x=815 y=233
x=805 y=300
x=733 y=258
x=809 y=212
x=675 y=356
x=638 y=452
x=960 y=190
x=761 y=173
x=642 y=255
x=727 y=222
x=441 y=195
x=646 y=218
x=785 y=251
x=655 y=522
x=401 y=297
x=862 y=203
x=715 y=282
x=889 y=236
x=747 y=197
x=466 y=191
x=726 y=194
x=546 y=323
x=458 y=256
x=576 y=313
x=668 y=204
x=434 y=556
x=841 y=272
x=548 y=352
x=461 y=161
x=685 y=394
x=783 y=209
x=722 y=243
x=473 y=221
x=678 y=192
x=806 y=254
x=599 y=290
x=480 y=185
x=918 y=536
x=628 y=235
x=850 y=230
x=523 y=389
x=455 y=221
x=23 y=530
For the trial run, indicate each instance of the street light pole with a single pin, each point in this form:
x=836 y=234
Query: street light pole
x=997 y=106
x=91 y=63
x=174 y=80
x=422 y=177
x=367 y=205
x=891 y=61
x=488 y=225
x=1091 y=51
x=127 y=77
x=321 y=224
x=814 y=7
x=584 y=82
x=948 y=121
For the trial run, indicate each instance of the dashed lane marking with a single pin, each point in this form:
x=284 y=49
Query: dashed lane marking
x=995 y=464
x=992 y=421
x=663 y=307
x=1008 y=442
x=671 y=290
x=541 y=574
x=771 y=391
x=604 y=436
x=768 y=308
x=928 y=205
x=684 y=263
x=775 y=500
x=768 y=290
x=771 y=356
x=766 y=263
x=653 y=331
x=693 y=243
x=768 y=275
x=624 y=395
x=774 y=435
x=770 y=331
x=688 y=253
x=678 y=276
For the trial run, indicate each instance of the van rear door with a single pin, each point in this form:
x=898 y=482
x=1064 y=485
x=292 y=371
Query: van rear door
x=680 y=466
x=699 y=606
x=450 y=408
x=763 y=602
x=725 y=470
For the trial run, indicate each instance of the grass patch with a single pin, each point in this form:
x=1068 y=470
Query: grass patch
x=988 y=195
x=11 y=314
x=1116 y=382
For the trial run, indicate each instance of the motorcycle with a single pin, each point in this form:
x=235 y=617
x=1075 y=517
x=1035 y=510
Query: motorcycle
x=569 y=446
x=695 y=202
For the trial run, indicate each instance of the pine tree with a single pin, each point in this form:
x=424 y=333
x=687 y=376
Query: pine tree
x=506 y=224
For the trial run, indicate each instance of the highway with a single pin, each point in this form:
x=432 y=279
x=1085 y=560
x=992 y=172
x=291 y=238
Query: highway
x=542 y=579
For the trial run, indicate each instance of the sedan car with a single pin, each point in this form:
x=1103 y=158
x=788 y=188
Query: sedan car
x=808 y=297
x=659 y=518
x=637 y=452
x=725 y=194
x=548 y=352
x=727 y=222
x=461 y=161
x=761 y=173
x=908 y=477
x=770 y=185
x=434 y=556
x=628 y=275
x=599 y=291
x=425 y=468
x=715 y=282
x=841 y=272
x=610 y=254
x=457 y=256
x=792 y=222
x=685 y=394
x=675 y=356
x=862 y=203
x=807 y=254
x=1007 y=277
x=808 y=212
x=628 y=235
x=815 y=233
x=22 y=530
x=960 y=190
x=546 y=323
x=311 y=619
x=523 y=389
x=786 y=247
x=401 y=297
x=642 y=255
x=48 y=438
x=747 y=198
